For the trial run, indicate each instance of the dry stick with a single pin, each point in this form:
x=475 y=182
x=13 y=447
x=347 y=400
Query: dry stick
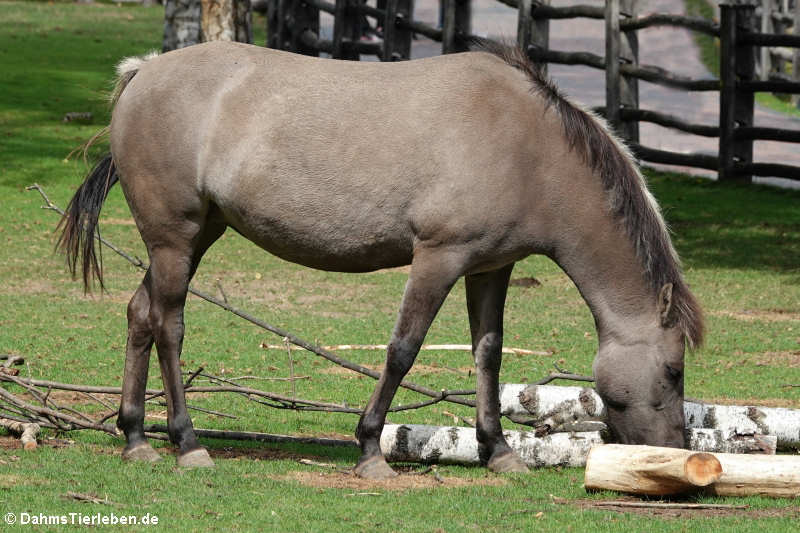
x=264 y=325
x=55 y=415
x=258 y=437
x=561 y=375
x=424 y=347
x=291 y=367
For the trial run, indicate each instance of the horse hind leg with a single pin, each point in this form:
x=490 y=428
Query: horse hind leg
x=486 y=294
x=134 y=382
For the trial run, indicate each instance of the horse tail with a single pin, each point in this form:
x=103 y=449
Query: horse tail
x=79 y=231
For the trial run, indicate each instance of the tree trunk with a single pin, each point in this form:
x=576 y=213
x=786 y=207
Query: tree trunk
x=227 y=20
x=459 y=445
x=649 y=469
x=181 y=24
x=188 y=22
x=716 y=440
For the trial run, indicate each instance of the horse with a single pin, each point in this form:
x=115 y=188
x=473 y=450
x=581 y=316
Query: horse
x=458 y=165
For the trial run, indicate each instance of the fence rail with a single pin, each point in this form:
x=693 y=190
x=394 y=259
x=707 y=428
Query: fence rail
x=296 y=27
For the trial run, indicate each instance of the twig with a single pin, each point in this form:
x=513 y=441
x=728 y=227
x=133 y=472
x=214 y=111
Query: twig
x=12 y=360
x=291 y=367
x=424 y=347
x=309 y=462
x=559 y=375
x=54 y=416
x=258 y=437
x=665 y=505
x=191 y=377
x=204 y=410
x=87 y=498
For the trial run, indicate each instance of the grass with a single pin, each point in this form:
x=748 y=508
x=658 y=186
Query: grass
x=709 y=55
x=740 y=247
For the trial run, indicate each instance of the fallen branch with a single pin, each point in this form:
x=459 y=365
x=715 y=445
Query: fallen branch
x=25 y=431
x=258 y=437
x=665 y=505
x=424 y=347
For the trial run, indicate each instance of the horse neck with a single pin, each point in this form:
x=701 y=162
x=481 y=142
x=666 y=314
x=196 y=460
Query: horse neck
x=597 y=254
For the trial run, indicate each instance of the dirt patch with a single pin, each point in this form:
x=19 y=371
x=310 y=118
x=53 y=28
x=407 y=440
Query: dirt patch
x=405 y=481
x=525 y=282
x=764 y=315
x=683 y=513
x=782 y=359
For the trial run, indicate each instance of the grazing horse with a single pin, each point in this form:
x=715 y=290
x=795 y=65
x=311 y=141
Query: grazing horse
x=458 y=165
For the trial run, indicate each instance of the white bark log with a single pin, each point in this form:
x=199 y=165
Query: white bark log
x=716 y=440
x=663 y=471
x=781 y=422
x=550 y=408
x=649 y=469
x=555 y=408
x=459 y=445
x=26 y=431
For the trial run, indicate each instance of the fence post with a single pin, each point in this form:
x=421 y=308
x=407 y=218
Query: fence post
x=531 y=31
x=621 y=47
x=302 y=17
x=397 y=41
x=346 y=30
x=273 y=23
x=737 y=63
x=456 y=25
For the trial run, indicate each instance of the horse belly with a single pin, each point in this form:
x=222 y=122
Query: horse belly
x=309 y=236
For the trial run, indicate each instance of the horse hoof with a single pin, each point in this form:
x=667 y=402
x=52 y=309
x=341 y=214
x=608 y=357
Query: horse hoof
x=142 y=452
x=198 y=458
x=374 y=468
x=508 y=462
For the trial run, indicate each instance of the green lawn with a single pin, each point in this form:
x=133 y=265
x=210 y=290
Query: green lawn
x=741 y=250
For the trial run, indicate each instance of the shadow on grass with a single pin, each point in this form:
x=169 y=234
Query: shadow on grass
x=731 y=226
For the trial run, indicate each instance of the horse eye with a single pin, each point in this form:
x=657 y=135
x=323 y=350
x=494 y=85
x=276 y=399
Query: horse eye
x=674 y=373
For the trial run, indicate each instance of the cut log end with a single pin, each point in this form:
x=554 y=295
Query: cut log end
x=702 y=469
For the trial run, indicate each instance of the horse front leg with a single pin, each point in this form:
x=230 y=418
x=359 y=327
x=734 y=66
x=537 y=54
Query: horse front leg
x=134 y=381
x=486 y=296
x=431 y=278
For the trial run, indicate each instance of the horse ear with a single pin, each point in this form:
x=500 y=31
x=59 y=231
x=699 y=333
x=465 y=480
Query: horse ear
x=665 y=309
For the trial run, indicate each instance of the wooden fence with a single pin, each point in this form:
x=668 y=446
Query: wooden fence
x=295 y=26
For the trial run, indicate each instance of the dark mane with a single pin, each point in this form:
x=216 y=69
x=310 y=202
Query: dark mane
x=629 y=199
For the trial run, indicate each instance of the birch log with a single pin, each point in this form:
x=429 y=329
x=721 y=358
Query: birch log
x=459 y=445
x=26 y=431
x=781 y=422
x=550 y=408
x=649 y=469
x=717 y=440
x=553 y=408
